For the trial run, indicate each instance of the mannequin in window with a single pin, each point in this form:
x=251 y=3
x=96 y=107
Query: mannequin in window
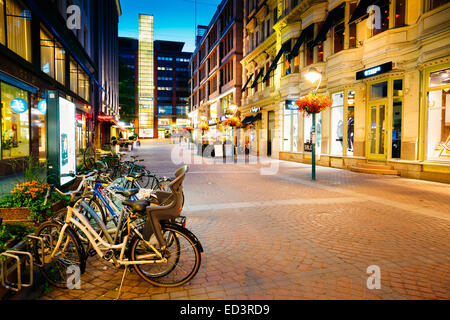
x=350 y=131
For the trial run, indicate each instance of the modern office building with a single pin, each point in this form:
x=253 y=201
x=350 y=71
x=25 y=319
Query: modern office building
x=38 y=54
x=387 y=71
x=128 y=76
x=171 y=90
x=146 y=85
x=216 y=73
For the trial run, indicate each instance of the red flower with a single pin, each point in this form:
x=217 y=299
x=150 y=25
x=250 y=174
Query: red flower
x=313 y=103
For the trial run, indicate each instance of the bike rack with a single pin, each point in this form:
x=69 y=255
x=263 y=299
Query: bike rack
x=29 y=262
x=16 y=287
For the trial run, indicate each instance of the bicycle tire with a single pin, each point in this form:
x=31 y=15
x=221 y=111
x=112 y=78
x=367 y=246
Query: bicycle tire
x=159 y=279
x=79 y=256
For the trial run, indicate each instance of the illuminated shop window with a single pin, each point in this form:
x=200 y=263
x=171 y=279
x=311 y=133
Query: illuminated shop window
x=438 y=116
x=350 y=121
x=15 y=122
x=337 y=123
x=18 y=26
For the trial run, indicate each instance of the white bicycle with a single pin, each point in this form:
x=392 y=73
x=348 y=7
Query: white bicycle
x=162 y=253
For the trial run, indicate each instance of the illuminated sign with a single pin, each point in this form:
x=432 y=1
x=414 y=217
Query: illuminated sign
x=290 y=105
x=42 y=106
x=367 y=73
x=222 y=118
x=103 y=117
x=67 y=148
x=18 y=105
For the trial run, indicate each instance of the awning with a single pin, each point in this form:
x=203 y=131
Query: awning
x=246 y=84
x=255 y=83
x=329 y=22
x=361 y=9
x=273 y=66
x=298 y=44
x=251 y=119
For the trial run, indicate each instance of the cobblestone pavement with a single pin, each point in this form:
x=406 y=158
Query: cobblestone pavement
x=283 y=236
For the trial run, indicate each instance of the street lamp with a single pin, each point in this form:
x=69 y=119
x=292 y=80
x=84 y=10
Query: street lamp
x=312 y=76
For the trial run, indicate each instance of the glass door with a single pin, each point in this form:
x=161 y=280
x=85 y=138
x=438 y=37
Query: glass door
x=377 y=131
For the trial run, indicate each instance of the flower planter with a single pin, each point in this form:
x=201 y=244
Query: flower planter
x=15 y=214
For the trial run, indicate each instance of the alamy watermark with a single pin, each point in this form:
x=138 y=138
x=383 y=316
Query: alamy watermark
x=74 y=277
x=374 y=279
x=73 y=17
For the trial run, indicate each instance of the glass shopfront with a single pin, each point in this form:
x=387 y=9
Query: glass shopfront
x=15 y=122
x=337 y=123
x=290 y=127
x=438 y=116
x=350 y=119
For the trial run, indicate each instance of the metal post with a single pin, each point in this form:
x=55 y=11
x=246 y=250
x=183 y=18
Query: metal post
x=313 y=138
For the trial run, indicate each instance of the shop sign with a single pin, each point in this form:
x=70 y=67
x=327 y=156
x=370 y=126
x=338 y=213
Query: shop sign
x=19 y=105
x=42 y=106
x=308 y=146
x=374 y=71
x=290 y=105
x=255 y=109
x=212 y=122
x=102 y=117
x=224 y=117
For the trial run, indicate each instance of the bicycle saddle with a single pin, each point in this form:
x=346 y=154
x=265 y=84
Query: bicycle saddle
x=127 y=193
x=138 y=206
x=134 y=176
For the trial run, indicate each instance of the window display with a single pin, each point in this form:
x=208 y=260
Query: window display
x=15 y=122
x=337 y=123
x=350 y=121
x=438 y=117
x=290 y=130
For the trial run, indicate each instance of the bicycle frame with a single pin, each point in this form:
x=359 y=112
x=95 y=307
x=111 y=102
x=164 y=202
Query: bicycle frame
x=98 y=243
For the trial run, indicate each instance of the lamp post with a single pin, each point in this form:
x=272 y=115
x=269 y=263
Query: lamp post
x=312 y=76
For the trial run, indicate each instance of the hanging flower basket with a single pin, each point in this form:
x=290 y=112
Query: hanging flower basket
x=203 y=126
x=313 y=103
x=232 y=122
x=189 y=129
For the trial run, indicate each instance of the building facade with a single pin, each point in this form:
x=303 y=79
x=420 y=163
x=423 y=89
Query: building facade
x=171 y=89
x=38 y=54
x=216 y=74
x=386 y=65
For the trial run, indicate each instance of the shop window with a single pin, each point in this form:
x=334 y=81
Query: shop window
x=290 y=128
x=338 y=37
x=384 y=18
x=433 y=4
x=38 y=125
x=288 y=66
x=2 y=22
x=337 y=123
x=378 y=90
x=350 y=121
x=400 y=8
x=438 y=118
x=15 y=122
x=53 y=57
x=18 y=26
x=396 y=128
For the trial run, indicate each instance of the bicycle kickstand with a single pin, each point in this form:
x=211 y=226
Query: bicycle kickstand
x=121 y=283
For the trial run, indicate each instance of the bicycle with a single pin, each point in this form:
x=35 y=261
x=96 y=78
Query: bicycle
x=155 y=249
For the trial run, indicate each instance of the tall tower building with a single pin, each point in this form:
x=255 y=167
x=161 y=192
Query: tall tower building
x=145 y=125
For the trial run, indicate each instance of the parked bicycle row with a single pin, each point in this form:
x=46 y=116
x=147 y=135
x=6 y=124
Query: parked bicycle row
x=127 y=216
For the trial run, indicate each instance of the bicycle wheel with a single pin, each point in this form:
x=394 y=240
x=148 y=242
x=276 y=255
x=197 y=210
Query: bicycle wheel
x=144 y=180
x=182 y=254
x=70 y=254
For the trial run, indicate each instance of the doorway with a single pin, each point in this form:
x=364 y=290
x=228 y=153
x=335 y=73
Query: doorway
x=377 y=131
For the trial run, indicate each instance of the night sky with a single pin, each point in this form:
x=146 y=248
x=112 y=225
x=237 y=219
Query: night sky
x=173 y=19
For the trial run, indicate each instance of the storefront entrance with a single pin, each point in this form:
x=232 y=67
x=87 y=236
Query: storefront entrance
x=270 y=131
x=377 y=130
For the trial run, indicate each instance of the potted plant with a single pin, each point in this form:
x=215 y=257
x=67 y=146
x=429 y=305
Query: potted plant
x=7 y=143
x=203 y=126
x=26 y=202
x=232 y=122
